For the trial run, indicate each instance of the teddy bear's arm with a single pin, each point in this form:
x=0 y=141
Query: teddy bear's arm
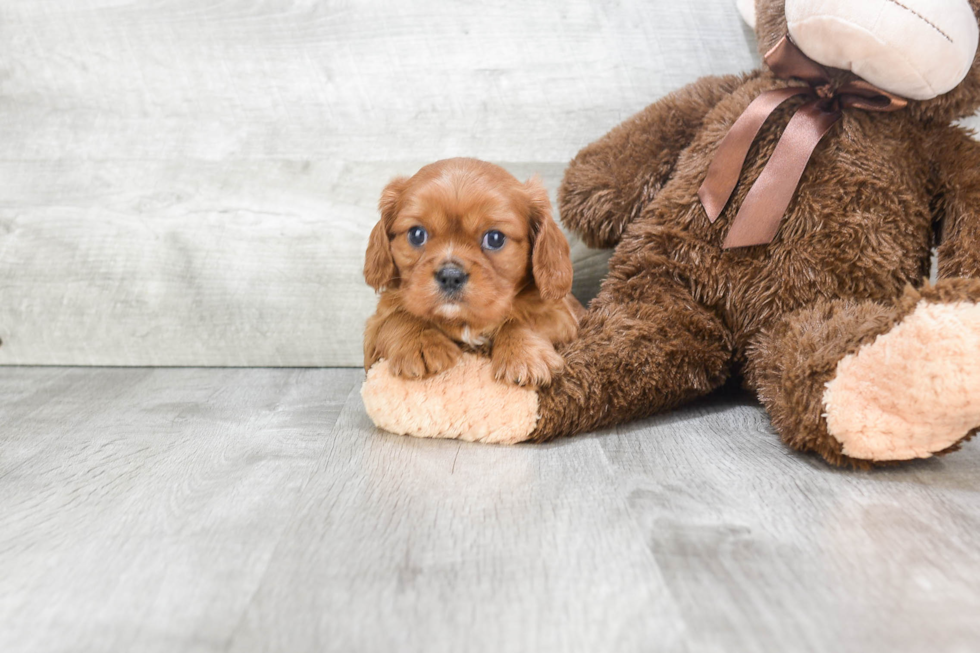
x=957 y=203
x=610 y=181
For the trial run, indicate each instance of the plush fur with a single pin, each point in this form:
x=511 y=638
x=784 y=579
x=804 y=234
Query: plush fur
x=465 y=402
x=678 y=315
x=913 y=391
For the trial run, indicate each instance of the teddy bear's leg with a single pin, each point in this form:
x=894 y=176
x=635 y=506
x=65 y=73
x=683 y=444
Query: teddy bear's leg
x=861 y=381
x=644 y=346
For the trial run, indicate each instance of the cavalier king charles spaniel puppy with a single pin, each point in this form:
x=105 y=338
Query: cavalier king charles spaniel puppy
x=466 y=257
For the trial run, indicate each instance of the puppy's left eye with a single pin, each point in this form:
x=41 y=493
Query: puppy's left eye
x=493 y=240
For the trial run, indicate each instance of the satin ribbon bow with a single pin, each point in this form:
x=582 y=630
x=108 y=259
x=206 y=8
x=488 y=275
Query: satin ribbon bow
x=758 y=218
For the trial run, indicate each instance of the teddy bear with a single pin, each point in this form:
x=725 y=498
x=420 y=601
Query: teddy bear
x=774 y=227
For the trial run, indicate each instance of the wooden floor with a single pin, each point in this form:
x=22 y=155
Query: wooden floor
x=259 y=510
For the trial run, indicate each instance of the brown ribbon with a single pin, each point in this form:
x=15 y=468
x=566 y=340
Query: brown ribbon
x=758 y=218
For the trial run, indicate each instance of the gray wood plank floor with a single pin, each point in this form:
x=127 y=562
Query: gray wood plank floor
x=259 y=510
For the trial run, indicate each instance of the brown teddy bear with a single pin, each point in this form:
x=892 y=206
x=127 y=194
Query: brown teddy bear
x=776 y=226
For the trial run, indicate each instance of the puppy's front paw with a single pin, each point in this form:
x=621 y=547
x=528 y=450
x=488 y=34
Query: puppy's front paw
x=530 y=361
x=432 y=353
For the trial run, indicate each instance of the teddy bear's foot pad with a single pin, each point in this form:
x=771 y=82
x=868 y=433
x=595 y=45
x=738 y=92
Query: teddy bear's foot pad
x=913 y=391
x=464 y=402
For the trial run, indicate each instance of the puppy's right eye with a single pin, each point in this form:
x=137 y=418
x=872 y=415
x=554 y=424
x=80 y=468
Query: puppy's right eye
x=417 y=236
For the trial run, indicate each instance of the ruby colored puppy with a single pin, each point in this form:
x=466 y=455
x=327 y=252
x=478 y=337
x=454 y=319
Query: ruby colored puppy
x=467 y=257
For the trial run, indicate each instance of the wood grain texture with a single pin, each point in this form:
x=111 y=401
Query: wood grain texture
x=140 y=508
x=192 y=182
x=258 y=510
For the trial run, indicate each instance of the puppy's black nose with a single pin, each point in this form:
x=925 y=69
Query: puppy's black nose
x=451 y=279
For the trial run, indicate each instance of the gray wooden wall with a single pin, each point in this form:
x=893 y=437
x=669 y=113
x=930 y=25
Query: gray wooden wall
x=192 y=182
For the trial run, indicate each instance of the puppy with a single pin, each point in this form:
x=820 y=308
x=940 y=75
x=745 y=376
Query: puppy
x=468 y=258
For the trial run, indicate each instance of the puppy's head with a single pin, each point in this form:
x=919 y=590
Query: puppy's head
x=461 y=238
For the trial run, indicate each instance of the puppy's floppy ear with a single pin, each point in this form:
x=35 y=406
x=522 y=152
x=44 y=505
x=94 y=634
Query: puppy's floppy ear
x=379 y=265
x=551 y=259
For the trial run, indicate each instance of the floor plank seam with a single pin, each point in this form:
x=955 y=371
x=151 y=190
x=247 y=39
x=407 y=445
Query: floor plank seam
x=288 y=523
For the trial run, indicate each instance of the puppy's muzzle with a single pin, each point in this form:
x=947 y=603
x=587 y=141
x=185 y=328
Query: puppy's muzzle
x=451 y=279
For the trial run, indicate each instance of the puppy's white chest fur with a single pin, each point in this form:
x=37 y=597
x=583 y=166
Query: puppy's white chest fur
x=473 y=340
